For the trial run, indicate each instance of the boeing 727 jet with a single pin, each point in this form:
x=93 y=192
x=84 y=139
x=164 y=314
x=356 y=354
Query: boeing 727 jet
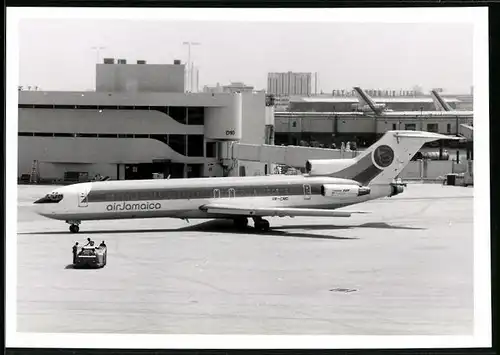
x=381 y=110
x=328 y=185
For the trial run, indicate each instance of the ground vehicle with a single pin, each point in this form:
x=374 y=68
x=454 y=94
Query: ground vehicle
x=90 y=257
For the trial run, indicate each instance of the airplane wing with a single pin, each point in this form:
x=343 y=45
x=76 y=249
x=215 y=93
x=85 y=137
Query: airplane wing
x=273 y=211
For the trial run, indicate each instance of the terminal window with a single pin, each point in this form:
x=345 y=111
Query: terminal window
x=178 y=143
x=196 y=116
x=432 y=127
x=211 y=151
x=410 y=127
x=195 y=145
x=178 y=113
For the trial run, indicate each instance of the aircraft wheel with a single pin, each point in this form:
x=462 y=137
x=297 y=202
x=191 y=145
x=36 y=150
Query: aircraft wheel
x=262 y=225
x=241 y=222
x=74 y=228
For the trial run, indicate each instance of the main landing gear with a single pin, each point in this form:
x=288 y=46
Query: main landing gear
x=259 y=223
x=241 y=222
x=74 y=226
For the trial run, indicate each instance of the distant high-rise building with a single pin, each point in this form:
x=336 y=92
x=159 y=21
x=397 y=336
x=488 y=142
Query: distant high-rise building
x=289 y=83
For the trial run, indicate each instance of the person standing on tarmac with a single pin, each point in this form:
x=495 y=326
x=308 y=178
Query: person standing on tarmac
x=89 y=242
x=75 y=249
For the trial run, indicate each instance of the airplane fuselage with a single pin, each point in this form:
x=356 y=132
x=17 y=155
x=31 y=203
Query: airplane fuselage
x=182 y=198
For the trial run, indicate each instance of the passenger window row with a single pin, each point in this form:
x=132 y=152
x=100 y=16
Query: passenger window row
x=96 y=196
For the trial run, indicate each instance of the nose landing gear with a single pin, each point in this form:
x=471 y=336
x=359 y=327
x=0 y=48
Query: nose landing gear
x=74 y=226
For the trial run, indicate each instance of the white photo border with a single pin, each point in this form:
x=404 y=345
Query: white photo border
x=478 y=16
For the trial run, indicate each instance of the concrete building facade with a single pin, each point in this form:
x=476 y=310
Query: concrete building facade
x=350 y=104
x=237 y=87
x=289 y=83
x=140 y=77
x=232 y=87
x=131 y=131
x=325 y=128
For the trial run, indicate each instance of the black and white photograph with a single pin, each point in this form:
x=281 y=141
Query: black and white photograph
x=179 y=172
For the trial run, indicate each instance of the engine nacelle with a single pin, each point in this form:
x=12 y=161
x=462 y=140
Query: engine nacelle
x=318 y=167
x=344 y=191
x=396 y=189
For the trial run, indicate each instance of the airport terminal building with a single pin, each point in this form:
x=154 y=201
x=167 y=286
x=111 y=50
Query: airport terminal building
x=138 y=122
x=327 y=128
x=325 y=103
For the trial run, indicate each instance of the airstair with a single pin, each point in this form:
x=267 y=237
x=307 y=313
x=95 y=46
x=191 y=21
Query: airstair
x=35 y=175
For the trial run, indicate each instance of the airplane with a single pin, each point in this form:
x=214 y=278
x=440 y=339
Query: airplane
x=442 y=105
x=381 y=110
x=327 y=185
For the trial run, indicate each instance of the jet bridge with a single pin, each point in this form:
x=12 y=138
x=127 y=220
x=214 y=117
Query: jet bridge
x=466 y=131
x=293 y=156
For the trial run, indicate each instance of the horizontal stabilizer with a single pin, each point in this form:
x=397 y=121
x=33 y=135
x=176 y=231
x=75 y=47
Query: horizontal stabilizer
x=423 y=134
x=272 y=211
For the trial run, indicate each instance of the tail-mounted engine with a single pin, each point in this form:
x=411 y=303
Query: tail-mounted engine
x=344 y=191
x=324 y=167
x=397 y=188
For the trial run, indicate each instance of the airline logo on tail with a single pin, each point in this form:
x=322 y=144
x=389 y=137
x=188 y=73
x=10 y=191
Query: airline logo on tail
x=377 y=164
x=383 y=156
x=368 y=167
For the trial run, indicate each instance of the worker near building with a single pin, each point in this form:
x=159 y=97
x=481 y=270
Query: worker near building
x=75 y=249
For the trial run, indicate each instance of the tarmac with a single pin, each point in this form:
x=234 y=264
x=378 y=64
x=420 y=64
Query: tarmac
x=406 y=268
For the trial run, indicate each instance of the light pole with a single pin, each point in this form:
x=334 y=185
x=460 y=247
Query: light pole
x=189 y=44
x=97 y=52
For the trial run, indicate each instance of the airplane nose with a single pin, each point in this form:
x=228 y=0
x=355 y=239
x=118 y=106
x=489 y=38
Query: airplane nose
x=44 y=206
x=38 y=208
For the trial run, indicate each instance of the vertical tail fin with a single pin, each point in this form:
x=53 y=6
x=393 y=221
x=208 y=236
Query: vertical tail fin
x=439 y=102
x=382 y=162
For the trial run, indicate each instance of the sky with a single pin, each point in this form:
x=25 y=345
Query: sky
x=56 y=54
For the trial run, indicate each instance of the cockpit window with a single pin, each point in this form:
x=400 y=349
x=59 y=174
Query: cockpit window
x=53 y=197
